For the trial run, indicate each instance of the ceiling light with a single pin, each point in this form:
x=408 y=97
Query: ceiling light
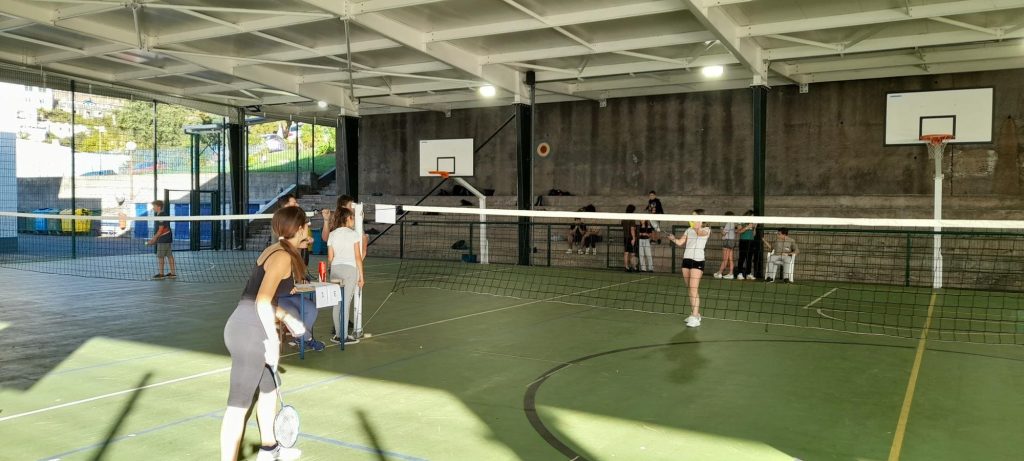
x=488 y=91
x=322 y=104
x=713 y=71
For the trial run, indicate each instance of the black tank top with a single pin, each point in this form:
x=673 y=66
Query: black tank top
x=252 y=287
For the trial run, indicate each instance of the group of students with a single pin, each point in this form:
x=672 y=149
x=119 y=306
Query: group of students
x=270 y=296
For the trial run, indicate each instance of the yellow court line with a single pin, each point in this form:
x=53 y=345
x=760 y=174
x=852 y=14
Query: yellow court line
x=901 y=425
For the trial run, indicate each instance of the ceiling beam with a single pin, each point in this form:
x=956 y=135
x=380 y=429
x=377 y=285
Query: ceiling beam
x=373 y=6
x=430 y=66
x=557 y=20
x=726 y=31
x=499 y=76
x=889 y=43
x=611 y=46
x=638 y=67
x=273 y=78
x=878 y=16
x=217 y=31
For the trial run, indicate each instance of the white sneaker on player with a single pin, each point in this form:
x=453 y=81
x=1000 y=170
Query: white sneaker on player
x=739 y=277
x=595 y=251
x=693 y=321
x=580 y=251
x=278 y=453
x=717 y=275
x=727 y=276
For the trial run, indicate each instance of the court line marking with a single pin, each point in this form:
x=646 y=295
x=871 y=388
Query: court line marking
x=122 y=392
x=908 y=398
x=506 y=308
x=819 y=298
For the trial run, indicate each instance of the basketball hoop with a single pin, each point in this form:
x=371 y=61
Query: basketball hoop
x=936 y=143
x=442 y=174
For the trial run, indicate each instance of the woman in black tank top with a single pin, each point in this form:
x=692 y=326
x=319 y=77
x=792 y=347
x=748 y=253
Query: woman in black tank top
x=251 y=337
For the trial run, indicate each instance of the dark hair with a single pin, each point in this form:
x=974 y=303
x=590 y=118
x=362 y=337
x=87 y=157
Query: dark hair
x=652 y=192
x=159 y=203
x=728 y=213
x=287 y=222
x=337 y=220
x=749 y=213
x=783 y=231
x=698 y=211
x=285 y=199
x=630 y=208
x=343 y=216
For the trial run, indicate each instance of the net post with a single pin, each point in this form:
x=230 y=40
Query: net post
x=936 y=145
x=357 y=299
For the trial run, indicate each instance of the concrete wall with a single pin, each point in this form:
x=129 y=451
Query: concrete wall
x=826 y=143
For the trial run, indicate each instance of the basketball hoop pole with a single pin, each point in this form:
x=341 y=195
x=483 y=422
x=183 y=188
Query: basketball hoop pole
x=936 y=144
x=484 y=246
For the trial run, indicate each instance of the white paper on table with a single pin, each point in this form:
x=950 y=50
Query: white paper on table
x=328 y=295
x=385 y=214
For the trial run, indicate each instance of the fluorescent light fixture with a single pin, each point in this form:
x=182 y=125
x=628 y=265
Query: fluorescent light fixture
x=322 y=104
x=712 y=71
x=488 y=91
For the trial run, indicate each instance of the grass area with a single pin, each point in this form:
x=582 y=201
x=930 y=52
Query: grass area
x=138 y=370
x=279 y=162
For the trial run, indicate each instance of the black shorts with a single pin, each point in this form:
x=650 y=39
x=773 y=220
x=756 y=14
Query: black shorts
x=628 y=246
x=692 y=264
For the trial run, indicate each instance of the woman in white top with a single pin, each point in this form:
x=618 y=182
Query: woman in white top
x=695 y=239
x=725 y=271
x=345 y=251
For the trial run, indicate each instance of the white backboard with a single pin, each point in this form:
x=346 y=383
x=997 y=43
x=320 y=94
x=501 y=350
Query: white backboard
x=966 y=114
x=452 y=155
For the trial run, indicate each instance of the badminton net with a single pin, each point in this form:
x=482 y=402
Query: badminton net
x=869 y=276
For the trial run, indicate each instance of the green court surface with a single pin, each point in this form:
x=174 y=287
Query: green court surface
x=118 y=370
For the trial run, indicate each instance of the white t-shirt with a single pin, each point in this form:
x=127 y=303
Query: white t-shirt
x=341 y=241
x=695 y=244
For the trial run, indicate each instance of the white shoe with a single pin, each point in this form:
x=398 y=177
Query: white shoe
x=595 y=251
x=692 y=321
x=739 y=277
x=569 y=251
x=728 y=276
x=717 y=275
x=751 y=277
x=278 y=453
x=587 y=251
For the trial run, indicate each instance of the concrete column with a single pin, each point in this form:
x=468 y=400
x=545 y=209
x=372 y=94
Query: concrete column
x=346 y=160
x=524 y=174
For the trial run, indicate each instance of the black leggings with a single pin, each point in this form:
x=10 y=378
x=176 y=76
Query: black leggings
x=745 y=265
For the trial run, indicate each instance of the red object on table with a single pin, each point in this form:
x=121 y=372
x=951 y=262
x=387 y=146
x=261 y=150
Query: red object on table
x=323 y=271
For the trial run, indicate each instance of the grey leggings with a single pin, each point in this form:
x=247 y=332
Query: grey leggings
x=348 y=276
x=244 y=336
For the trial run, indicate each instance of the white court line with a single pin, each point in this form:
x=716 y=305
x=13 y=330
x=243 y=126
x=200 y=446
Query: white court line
x=507 y=307
x=122 y=392
x=819 y=298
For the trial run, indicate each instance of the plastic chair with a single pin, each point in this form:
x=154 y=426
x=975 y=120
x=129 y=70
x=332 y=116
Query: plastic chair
x=788 y=267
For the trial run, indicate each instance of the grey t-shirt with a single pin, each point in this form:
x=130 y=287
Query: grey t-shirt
x=730 y=231
x=784 y=246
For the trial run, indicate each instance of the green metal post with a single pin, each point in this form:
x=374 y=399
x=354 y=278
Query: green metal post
x=906 y=271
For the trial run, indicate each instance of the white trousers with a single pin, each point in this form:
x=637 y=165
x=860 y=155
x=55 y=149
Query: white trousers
x=646 y=260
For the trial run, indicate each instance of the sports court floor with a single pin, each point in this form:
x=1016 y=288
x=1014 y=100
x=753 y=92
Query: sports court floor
x=120 y=370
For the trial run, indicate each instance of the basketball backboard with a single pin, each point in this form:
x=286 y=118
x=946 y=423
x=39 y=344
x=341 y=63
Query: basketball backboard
x=966 y=114
x=452 y=155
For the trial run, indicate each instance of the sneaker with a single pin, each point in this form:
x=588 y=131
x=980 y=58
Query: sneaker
x=717 y=275
x=751 y=277
x=769 y=280
x=335 y=339
x=728 y=276
x=569 y=251
x=158 y=277
x=787 y=281
x=580 y=251
x=587 y=251
x=171 y=275
x=278 y=453
x=693 y=321
x=739 y=277
x=315 y=345
x=293 y=343
x=349 y=339
x=595 y=251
